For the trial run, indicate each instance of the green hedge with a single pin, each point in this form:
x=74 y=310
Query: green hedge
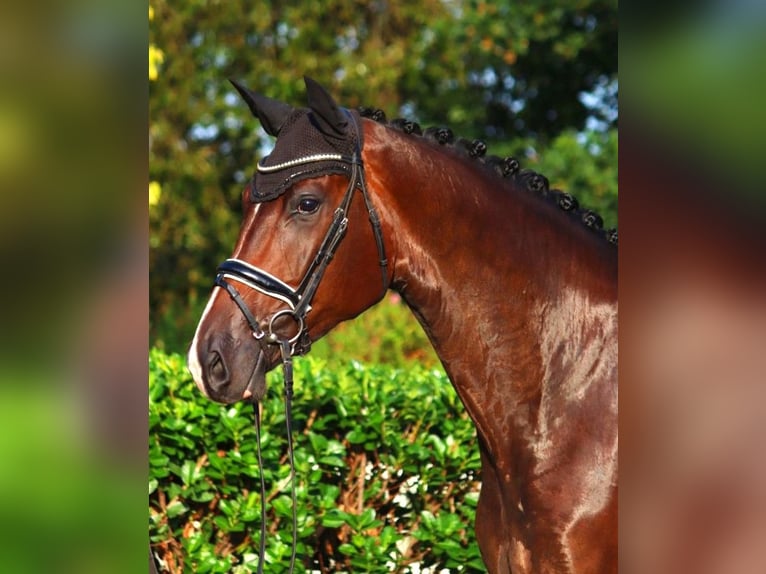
x=386 y=461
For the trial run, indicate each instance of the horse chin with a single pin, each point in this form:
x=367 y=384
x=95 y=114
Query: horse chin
x=256 y=386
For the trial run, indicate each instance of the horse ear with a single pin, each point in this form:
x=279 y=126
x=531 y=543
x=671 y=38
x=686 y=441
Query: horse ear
x=272 y=113
x=332 y=121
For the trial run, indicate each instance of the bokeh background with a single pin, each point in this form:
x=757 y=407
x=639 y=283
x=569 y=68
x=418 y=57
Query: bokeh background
x=692 y=287
x=73 y=317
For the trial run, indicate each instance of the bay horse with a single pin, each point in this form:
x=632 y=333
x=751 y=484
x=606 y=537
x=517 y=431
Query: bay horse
x=514 y=284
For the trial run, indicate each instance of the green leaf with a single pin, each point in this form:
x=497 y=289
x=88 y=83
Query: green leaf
x=348 y=549
x=334 y=519
x=333 y=461
x=228 y=507
x=190 y=473
x=176 y=508
x=356 y=436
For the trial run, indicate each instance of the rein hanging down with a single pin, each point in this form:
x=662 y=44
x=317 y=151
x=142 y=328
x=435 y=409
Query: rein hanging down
x=287 y=372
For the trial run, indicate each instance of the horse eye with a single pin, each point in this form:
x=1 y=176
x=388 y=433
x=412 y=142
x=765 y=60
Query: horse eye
x=308 y=205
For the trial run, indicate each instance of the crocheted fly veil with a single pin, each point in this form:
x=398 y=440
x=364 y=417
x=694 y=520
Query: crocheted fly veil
x=311 y=142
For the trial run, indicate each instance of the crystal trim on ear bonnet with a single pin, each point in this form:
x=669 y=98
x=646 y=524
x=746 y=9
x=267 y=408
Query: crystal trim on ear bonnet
x=303 y=150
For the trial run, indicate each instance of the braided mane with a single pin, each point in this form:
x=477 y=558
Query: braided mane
x=508 y=167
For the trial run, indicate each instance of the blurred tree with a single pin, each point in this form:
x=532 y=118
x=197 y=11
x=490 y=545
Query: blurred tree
x=507 y=72
x=502 y=69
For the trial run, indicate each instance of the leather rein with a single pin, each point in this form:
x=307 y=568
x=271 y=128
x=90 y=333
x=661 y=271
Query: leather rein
x=298 y=303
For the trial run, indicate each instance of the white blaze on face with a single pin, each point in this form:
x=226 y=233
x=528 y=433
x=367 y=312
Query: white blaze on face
x=193 y=359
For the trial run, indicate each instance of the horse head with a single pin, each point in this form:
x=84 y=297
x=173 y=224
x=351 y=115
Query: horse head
x=304 y=259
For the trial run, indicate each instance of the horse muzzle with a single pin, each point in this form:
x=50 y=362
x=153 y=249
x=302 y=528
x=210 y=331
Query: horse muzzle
x=227 y=370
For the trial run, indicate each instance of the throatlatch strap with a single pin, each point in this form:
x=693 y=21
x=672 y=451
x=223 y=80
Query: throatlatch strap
x=377 y=232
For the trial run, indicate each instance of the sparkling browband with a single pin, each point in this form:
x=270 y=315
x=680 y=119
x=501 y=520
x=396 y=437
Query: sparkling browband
x=302 y=160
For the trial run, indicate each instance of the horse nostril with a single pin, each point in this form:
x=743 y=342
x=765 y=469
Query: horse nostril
x=219 y=376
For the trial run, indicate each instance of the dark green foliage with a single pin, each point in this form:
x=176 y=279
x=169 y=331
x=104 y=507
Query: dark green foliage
x=386 y=461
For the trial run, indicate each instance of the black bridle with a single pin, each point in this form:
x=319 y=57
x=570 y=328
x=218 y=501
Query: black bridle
x=298 y=301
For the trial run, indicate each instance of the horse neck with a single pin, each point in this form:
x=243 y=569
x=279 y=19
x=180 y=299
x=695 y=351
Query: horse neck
x=496 y=276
